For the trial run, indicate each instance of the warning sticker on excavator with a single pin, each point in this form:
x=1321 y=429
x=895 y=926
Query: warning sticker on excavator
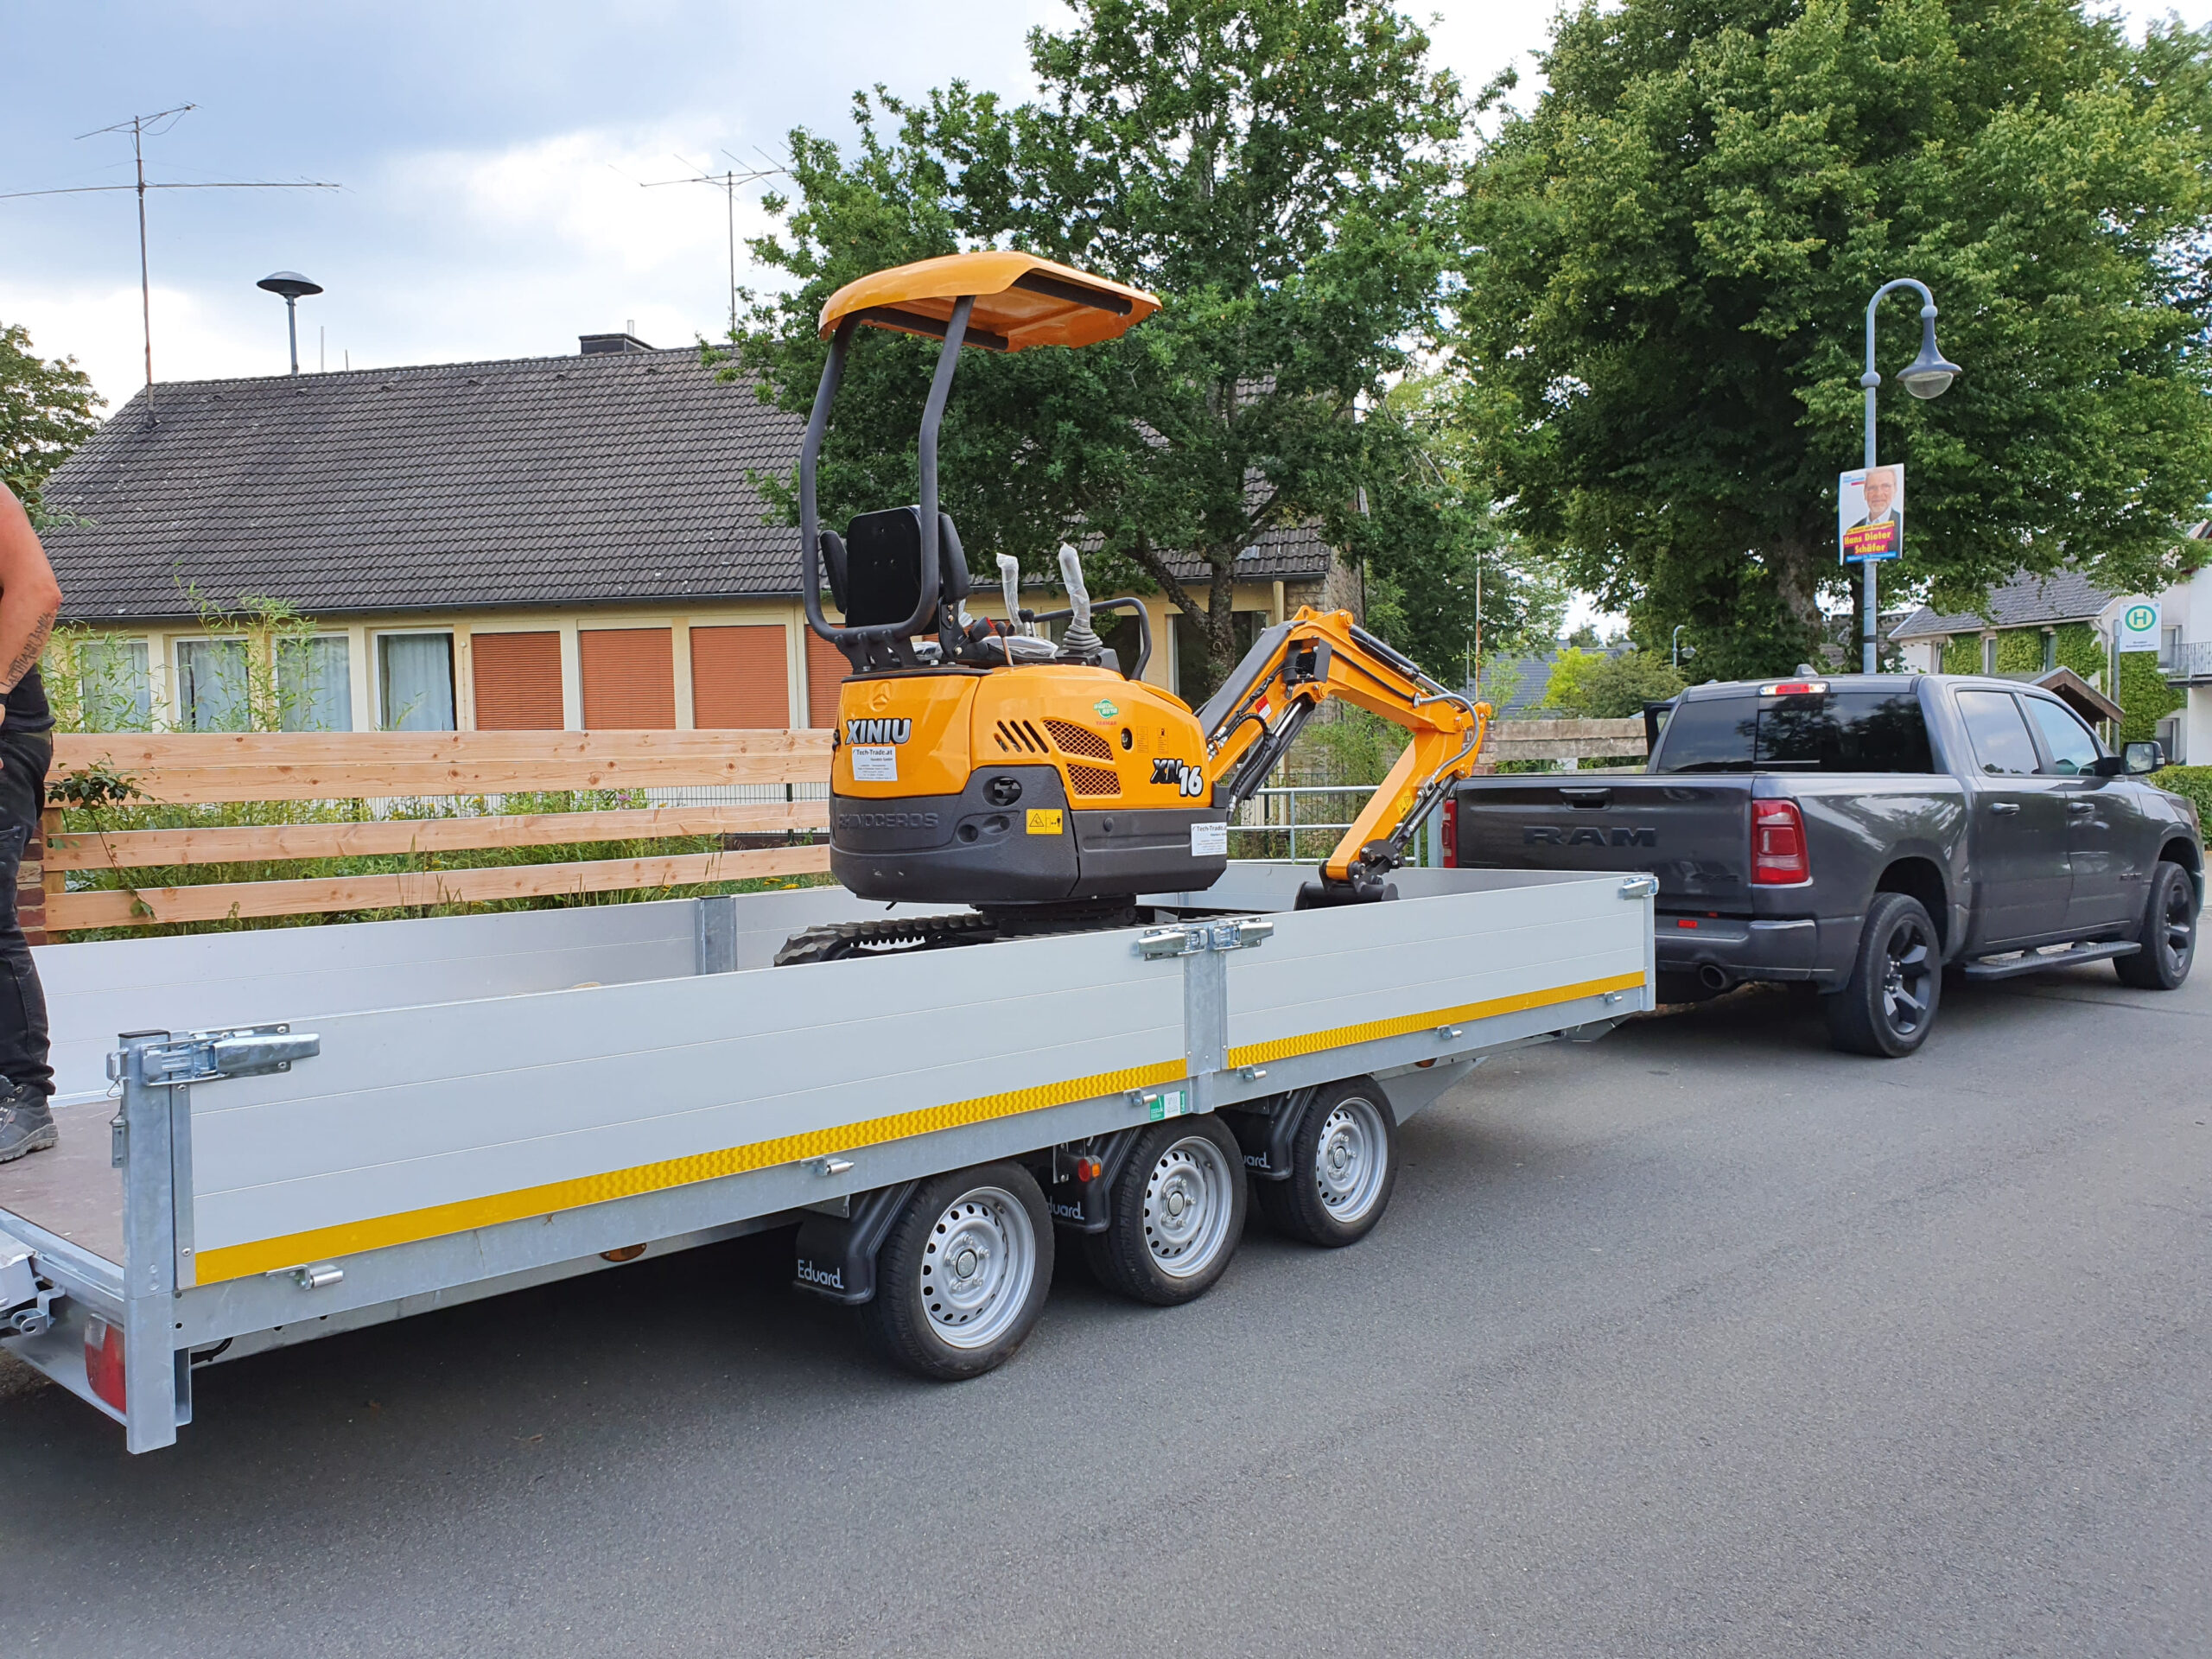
x=875 y=764
x=1044 y=820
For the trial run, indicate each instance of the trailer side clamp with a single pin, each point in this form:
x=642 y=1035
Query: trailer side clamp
x=1639 y=886
x=203 y=1056
x=1195 y=938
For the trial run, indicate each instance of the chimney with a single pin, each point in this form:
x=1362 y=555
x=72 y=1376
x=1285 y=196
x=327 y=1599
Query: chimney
x=600 y=345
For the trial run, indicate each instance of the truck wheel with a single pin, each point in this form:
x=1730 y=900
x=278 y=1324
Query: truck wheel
x=1178 y=1209
x=1888 y=1005
x=1343 y=1162
x=2168 y=935
x=961 y=1276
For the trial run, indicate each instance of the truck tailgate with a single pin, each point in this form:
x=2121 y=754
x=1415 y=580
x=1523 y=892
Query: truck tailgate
x=1693 y=834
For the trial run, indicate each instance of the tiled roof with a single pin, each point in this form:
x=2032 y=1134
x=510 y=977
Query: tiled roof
x=2024 y=602
x=540 y=480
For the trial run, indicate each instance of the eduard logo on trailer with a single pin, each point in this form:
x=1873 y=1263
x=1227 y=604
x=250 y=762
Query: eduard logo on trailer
x=871 y=732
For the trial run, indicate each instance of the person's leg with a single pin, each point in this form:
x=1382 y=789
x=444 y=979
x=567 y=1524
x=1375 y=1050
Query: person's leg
x=26 y=1124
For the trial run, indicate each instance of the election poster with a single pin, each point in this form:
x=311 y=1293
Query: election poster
x=1869 y=514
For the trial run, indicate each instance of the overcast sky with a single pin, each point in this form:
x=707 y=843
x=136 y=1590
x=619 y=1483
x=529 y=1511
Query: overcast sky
x=490 y=158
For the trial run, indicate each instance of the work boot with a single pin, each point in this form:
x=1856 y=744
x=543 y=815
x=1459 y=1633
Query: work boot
x=26 y=1123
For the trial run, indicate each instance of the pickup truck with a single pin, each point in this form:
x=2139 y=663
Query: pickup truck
x=1863 y=834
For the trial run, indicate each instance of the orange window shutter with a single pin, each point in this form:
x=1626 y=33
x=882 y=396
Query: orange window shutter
x=738 y=679
x=826 y=669
x=517 y=682
x=629 y=679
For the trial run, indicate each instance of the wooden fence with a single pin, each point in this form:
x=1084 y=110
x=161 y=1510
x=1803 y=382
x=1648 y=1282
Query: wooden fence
x=211 y=768
x=206 y=768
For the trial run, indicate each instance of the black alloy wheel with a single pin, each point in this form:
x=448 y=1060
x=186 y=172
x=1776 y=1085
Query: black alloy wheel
x=2168 y=935
x=1888 y=1006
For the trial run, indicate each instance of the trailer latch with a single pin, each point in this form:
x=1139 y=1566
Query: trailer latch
x=203 y=1056
x=1639 y=886
x=1195 y=938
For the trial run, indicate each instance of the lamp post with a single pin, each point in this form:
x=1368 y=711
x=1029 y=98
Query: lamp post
x=1929 y=375
x=294 y=288
x=1675 y=643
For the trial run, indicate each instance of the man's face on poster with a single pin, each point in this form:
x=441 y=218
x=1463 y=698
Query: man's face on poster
x=1881 y=492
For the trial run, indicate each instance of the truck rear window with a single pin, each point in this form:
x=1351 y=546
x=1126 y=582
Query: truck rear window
x=1831 y=731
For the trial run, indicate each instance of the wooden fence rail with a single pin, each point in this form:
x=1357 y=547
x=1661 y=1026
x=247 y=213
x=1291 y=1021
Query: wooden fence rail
x=204 y=768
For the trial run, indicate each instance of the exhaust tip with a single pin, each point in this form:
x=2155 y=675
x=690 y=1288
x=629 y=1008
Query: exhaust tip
x=1713 y=976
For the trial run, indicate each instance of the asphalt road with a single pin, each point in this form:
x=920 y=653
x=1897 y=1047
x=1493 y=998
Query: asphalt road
x=1700 y=1340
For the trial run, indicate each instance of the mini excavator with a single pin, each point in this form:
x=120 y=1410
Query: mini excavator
x=977 y=762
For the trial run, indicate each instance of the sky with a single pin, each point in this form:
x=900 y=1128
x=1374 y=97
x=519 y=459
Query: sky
x=491 y=160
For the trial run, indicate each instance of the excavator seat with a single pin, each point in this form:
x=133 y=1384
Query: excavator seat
x=878 y=578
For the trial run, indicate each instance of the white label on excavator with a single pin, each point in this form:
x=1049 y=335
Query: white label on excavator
x=874 y=764
x=1209 y=840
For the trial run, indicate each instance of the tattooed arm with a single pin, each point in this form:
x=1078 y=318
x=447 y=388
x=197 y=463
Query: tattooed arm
x=29 y=597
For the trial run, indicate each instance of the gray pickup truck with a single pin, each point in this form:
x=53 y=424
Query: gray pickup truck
x=1863 y=833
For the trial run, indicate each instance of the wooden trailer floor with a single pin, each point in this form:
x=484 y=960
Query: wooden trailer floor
x=71 y=1189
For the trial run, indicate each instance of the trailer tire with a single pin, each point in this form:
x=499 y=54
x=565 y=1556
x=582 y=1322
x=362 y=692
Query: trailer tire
x=963 y=1274
x=1178 y=1212
x=1343 y=1164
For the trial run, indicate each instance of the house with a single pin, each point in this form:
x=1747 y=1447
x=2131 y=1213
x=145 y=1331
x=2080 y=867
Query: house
x=2034 y=625
x=545 y=543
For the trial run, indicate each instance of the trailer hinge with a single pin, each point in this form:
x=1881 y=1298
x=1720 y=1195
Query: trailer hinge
x=1639 y=886
x=26 y=1308
x=1194 y=939
x=203 y=1056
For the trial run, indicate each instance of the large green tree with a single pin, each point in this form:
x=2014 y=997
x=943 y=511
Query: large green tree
x=1662 y=322
x=1269 y=167
x=46 y=412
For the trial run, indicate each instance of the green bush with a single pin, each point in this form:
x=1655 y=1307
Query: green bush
x=2195 y=782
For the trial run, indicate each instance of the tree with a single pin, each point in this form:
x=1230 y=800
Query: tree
x=1662 y=324
x=1269 y=167
x=1600 y=685
x=46 y=413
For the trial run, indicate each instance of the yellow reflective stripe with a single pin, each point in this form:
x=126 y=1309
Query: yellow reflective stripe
x=1284 y=1048
x=265 y=1255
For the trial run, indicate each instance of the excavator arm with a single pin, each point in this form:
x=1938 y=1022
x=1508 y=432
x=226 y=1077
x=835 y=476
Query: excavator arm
x=1290 y=671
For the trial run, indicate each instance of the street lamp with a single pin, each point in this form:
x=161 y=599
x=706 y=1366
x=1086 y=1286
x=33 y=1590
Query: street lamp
x=1676 y=643
x=294 y=288
x=1929 y=375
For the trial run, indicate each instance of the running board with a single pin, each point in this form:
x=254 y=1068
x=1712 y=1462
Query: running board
x=2030 y=963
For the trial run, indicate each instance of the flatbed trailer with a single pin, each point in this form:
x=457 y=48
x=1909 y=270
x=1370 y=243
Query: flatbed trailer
x=271 y=1136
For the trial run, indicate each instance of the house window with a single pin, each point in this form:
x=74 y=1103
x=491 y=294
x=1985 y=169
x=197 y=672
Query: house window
x=415 y=682
x=738 y=679
x=314 y=685
x=2169 y=647
x=212 y=682
x=826 y=669
x=2049 y=649
x=1989 y=654
x=115 y=691
x=518 y=681
x=629 y=678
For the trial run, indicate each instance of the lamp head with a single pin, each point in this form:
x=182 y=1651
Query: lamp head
x=1930 y=374
x=290 y=283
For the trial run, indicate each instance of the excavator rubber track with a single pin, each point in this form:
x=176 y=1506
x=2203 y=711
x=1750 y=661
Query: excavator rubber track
x=897 y=936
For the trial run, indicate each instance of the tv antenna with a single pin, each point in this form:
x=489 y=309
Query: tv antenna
x=141 y=128
x=727 y=181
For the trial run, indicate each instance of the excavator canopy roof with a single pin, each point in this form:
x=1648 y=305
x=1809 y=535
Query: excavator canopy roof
x=1020 y=300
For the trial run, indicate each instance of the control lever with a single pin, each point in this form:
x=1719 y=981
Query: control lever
x=1078 y=640
x=1010 y=585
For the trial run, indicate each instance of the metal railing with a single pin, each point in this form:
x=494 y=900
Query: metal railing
x=1278 y=815
x=2187 y=663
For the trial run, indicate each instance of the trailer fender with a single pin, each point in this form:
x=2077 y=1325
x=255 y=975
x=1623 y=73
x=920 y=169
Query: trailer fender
x=1086 y=1206
x=1265 y=1130
x=836 y=1255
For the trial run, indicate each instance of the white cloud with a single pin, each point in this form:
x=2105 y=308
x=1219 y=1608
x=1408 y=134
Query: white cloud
x=102 y=329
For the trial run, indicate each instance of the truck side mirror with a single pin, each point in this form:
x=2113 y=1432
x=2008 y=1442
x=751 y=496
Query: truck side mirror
x=2142 y=757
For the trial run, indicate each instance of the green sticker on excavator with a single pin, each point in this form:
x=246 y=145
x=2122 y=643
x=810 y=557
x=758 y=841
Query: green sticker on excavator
x=1105 y=709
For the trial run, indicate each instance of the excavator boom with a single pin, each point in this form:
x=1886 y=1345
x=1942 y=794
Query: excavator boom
x=1317 y=657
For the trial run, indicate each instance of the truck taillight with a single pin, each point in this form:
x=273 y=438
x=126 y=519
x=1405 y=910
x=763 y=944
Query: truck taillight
x=103 y=1361
x=1449 y=833
x=1778 y=856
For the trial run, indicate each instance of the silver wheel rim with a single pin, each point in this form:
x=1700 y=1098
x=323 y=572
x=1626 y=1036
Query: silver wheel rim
x=1349 y=1164
x=1188 y=1203
x=977 y=1267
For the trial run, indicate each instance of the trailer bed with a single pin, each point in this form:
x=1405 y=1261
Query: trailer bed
x=476 y=1104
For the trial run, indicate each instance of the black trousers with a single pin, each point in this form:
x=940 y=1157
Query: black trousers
x=24 y=757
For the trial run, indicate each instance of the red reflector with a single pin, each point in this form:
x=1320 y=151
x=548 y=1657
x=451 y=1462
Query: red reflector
x=103 y=1361
x=1685 y=922
x=1088 y=1169
x=1778 y=857
x=1451 y=832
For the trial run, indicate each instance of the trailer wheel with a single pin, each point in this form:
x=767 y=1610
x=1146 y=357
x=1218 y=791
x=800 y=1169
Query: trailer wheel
x=963 y=1274
x=1343 y=1164
x=1179 y=1207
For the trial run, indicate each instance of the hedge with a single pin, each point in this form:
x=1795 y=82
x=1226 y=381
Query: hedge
x=2195 y=782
